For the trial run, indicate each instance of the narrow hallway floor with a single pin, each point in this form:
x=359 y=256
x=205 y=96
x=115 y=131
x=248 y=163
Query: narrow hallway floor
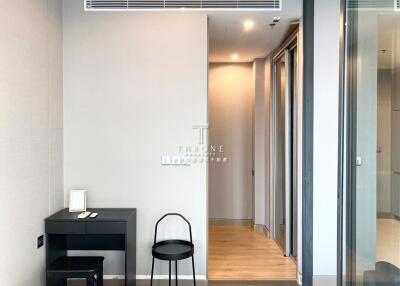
x=240 y=253
x=388 y=241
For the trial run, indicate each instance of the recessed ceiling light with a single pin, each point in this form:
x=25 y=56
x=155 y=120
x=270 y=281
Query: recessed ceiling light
x=248 y=25
x=235 y=57
x=276 y=19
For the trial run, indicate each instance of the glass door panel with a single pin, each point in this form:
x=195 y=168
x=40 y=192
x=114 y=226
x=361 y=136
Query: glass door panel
x=285 y=137
x=293 y=150
x=281 y=90
x=371 y=215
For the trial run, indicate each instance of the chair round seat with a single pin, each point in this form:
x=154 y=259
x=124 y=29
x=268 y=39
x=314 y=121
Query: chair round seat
x=173 y=249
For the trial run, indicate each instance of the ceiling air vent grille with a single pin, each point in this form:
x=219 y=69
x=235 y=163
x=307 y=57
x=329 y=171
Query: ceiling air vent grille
x=373 y=4
x=125 y=5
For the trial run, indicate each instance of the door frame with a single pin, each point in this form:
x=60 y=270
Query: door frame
x=308 y=143
x=307 y=101
x=282 y=54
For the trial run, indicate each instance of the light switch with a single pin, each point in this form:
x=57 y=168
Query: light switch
x=185 y=161
x=165 y=160
x=358 y=161
x=176 y=160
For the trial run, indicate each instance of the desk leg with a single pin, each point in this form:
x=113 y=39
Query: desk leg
x=176 y=272
x=56 y=245
x=100 y=276
x=130 y=253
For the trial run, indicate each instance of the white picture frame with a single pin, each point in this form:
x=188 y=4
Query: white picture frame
x=77 y=201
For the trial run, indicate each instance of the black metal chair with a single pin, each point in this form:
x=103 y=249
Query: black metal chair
x=385 y=274
x=173 y=250
x=87 y=267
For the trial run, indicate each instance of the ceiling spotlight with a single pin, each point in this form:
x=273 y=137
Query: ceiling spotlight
x=234 y=57
x=248 y=25
x=276 y=19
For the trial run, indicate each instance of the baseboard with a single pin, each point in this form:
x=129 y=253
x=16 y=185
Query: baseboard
x=262 y=229
x=258 y=227
x=299 y=279
x=266 y=232
x=385 y=215
x=229 y=222
x=326 y=280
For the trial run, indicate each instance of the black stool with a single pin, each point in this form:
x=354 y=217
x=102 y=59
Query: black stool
x=173 y=250
x=87 y=267
x=385 y=274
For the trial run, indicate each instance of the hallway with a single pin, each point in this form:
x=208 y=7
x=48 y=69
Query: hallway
x=240 y=253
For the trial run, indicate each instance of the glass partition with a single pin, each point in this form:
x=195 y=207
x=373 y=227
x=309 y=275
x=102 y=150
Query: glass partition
x=371 y=212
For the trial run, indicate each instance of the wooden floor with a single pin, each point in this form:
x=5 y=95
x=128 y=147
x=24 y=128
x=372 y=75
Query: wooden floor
x=388 y=241
x=240 y=253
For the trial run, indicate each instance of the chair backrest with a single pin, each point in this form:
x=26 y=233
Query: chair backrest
x=389 y=270
x=172 y=214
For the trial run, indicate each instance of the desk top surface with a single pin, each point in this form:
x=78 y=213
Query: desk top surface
x=104 y=214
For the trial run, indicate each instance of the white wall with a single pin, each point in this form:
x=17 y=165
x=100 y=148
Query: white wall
x=55 y=67
x=30 y=133
x=326 y=103
x=230 y=115
x=134 y=85
x=259 y=141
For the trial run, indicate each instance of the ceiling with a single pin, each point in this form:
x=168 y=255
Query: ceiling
x=227 y=35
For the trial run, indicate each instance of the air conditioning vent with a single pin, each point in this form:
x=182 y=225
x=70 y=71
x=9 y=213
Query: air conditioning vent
x=373 y=4
x=124 y=5
x=177 y=4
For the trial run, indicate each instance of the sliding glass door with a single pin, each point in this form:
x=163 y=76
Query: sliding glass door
x=281 y=82
x=371 y=197
x=285 y=155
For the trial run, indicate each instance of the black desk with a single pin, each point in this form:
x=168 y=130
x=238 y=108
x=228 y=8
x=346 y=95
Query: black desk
x=112 y=229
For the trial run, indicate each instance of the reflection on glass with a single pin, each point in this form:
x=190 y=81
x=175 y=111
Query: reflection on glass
x=281 y=168
x=372 y=218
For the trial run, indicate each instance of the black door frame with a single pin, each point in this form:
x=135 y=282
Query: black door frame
x=308 y=142
x=341 y=136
